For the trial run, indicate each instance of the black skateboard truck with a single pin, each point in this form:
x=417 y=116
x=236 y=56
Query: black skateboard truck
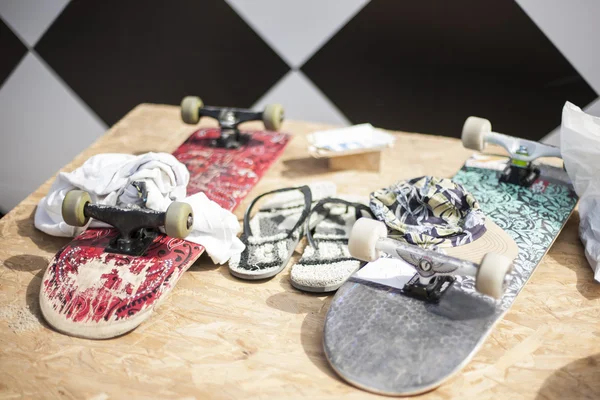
x=192 y=109
x=138 y=227
x=430 y=292
x=477 y=133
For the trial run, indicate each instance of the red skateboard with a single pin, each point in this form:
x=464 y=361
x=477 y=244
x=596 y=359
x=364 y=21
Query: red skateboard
x=90 y=292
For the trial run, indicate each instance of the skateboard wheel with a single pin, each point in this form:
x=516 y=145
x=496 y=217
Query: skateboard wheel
x=73 y=207
x=491 y=275
x=273 y=116
x=179 y=220
x=363 y=239
x=473 y=132
x=190 y=109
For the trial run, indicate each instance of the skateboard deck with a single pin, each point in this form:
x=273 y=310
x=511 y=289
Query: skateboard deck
x=88 y=292
x=383 y=341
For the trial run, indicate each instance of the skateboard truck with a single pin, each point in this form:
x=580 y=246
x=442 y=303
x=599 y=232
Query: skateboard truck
x=477 y=133
x=137 y=227
x=430 y=292
x=192 y=109
x=435 y=271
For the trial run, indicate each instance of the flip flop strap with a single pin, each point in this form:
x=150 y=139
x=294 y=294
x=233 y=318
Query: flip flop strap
x=358 y=207
x=305 y=212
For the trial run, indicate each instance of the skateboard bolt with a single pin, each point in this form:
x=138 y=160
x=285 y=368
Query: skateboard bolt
x=425 y=265
x=523 y=151
x=229 y=117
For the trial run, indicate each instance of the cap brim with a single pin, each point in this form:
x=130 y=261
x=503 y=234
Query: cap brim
x=494 y=240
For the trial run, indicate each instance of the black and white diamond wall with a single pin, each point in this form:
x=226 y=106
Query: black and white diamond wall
x=71 y=68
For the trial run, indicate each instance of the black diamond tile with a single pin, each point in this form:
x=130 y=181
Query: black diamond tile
x=117 y=54
x=427 y=65
x=12 y=51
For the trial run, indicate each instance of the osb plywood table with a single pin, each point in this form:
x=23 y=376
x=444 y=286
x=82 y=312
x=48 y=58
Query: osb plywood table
x=220 y=337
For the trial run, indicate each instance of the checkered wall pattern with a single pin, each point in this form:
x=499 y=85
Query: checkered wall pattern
x=414 y=66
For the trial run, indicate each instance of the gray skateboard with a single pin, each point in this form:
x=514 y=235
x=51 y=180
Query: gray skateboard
x=379 y=338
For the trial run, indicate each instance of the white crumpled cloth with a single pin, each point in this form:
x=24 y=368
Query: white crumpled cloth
x=580 y=149
x=108 y=179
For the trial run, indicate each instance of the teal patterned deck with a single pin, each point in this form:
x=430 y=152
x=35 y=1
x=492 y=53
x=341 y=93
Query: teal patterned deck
x=380 y=340
x=532 y=216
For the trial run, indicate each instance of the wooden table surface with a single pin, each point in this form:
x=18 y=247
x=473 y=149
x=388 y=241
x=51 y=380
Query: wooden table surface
x=219 y=337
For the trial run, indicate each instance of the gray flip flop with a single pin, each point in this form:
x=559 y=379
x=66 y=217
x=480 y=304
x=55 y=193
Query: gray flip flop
x=326 y=263
x=272 y=235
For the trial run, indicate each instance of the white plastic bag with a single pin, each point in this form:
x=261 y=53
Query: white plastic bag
x=580 y=148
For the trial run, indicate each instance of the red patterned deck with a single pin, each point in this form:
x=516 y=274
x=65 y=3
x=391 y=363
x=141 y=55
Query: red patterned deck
x=86 y=289
x=227 y=176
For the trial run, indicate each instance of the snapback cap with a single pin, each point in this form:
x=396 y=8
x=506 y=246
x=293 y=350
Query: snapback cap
x=441 y=214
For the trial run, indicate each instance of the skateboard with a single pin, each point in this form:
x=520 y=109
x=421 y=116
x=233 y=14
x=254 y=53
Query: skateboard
x=107 y=281
x=406 y=323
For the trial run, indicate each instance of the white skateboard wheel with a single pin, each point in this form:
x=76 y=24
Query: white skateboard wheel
x=363 y=239
x=474 y=131
x=190 y=109
x=491 y=275
x=178 y=220
x=73 y=206
x=273 y=116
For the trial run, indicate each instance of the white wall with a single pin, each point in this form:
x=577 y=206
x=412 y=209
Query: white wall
x=43 y=124
x=574 y=29
x=43 y=128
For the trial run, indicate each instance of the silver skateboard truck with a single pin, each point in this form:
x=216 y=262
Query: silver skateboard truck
x=435 y=271
x=477 y=133
x=192 y=109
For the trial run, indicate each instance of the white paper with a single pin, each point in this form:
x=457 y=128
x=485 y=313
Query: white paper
x=357 y=137
x=580 y=148
x=391 y=272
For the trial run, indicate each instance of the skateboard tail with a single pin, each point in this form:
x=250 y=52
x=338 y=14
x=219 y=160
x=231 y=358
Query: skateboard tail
x=90 y=293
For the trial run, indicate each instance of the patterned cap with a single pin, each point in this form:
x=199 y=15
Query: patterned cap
x=429 y=212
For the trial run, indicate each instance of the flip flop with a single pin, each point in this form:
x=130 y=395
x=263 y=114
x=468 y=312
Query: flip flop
x=326 y=263
x=271 y=236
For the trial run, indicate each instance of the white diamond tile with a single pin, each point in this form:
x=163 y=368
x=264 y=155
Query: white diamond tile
x=29 y=19
x=302 y=100
x=296 y=29
x=43 y=124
